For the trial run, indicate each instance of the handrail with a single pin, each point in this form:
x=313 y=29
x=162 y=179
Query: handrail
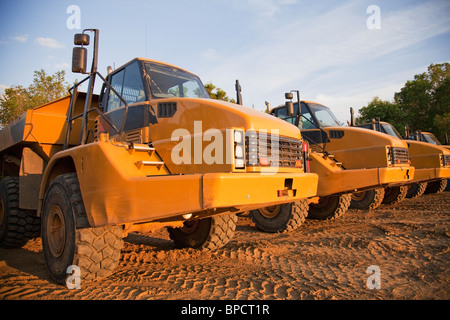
x=86 y=111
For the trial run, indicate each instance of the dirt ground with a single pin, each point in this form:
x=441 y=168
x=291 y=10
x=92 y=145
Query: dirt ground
x=408 y=243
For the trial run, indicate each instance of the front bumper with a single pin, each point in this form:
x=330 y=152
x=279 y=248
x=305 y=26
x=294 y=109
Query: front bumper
x=428 y=174
x=117 y=189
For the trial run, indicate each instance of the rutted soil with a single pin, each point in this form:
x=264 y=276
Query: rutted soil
x=409 y=242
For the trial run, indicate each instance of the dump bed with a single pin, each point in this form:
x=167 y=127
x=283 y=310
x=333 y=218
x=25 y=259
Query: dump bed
x=44 y=125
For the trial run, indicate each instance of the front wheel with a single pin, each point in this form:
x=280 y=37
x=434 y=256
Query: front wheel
x=281 y=218
x=395 y=195
x=208 y=233
x=436 y=186
x=329 y=207
x=367 y=200
x=416 y=190
x=95 y=251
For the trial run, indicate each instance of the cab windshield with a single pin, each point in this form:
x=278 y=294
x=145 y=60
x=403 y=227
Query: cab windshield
x=390 y=130
x=430 y=138
x=168 y=82
x=323 y=114
x=320 y=114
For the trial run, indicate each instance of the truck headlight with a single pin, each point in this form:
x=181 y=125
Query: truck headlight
x=239 y=151
x=239 y=147
x=389 y=155
x=238 y=136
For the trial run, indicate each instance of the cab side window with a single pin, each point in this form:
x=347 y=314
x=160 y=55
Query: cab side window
x=117 y=83
x=129 y=84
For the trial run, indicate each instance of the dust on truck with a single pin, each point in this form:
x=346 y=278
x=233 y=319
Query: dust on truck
x=354 y=166
x=151 y=151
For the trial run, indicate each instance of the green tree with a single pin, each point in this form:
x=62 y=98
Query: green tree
x=425 y=101
x=218 y=94
x=422 y=104
x=44 y=88
x=383 y=110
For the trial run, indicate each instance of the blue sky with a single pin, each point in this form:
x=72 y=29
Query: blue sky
x=323 y=48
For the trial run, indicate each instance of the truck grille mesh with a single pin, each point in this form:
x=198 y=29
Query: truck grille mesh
x=270 y=150
x=446 y=160
x=399 y=155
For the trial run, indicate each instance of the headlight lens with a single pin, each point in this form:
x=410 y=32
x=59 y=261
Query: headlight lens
x=239 y=151
x=238 y=136
x=239 y=147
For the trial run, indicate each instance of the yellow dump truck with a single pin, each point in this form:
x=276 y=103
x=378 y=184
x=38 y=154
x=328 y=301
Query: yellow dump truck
x=152 y=150
x=431 y=160
x=350 y=162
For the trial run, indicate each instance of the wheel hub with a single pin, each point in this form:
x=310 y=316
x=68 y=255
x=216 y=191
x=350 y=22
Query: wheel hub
x=270 y=212
x=358 y=196
x=56 y=231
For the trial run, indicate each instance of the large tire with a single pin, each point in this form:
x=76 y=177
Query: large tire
x=281 y=218
x=436 y=186
x=393 y=195
x=415 y=190
x=96 y=251
x=17 y=226
x=367 y=200
x=208 y=234
x=330 y=207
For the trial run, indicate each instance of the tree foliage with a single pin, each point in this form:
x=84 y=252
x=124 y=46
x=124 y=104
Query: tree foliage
x=44 y=88
x=422 y=104
x=217 y=93
x=381 y=110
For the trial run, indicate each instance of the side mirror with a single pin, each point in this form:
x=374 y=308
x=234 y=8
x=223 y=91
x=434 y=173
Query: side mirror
x=79 y=60
x=289 y=108
x=81 y=39
x=79 y=54
x=289 y=95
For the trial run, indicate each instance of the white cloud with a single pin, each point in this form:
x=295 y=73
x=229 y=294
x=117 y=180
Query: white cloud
x=49 y=43
x=210 y=54
x=2 y=88
x=328 y=46
x=22 y=38
x=263 y=8
x=63 y=65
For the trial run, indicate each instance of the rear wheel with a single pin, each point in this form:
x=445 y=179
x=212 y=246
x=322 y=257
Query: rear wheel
x=209 y=233
x=436 y=186
x=395 y=195
x=96 y=251
x=367 y=200
x=329 y=207
x=17 y=226
x=416 y=190
x=281 y=218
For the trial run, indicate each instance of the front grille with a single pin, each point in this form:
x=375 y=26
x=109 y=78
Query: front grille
x=445 y=160
x=399 y=155
x=271 y=150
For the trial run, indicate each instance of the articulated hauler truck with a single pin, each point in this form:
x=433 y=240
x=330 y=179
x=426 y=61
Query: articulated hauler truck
x=356 y=168
x=152 y=150
x=431 y=160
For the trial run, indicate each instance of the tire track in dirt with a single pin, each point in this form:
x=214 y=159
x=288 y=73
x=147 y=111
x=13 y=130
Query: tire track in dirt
x=320 y=260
